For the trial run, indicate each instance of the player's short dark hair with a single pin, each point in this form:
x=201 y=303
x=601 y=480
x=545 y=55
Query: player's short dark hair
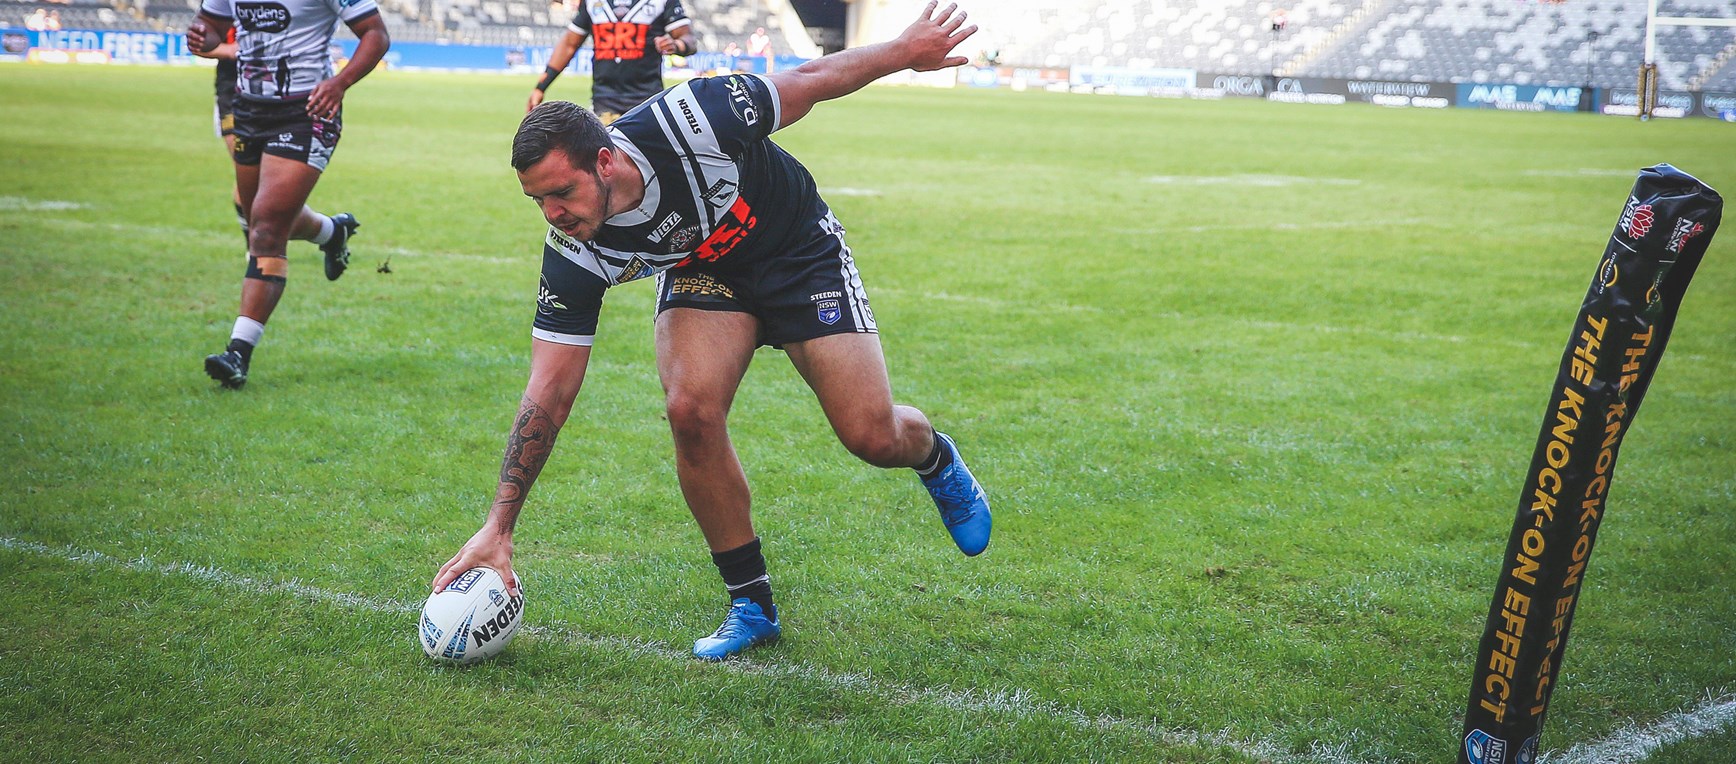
x=563 y=126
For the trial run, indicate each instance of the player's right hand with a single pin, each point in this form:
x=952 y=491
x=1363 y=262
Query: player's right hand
x=197 y=34
x=536 y=97
x=487 y=549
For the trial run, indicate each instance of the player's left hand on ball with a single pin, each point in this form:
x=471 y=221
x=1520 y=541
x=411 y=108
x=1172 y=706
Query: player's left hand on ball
x=933 y=36
x=326 y=100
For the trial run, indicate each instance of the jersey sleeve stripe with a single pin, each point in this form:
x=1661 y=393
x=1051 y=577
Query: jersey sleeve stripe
x=574 y=28
x=371 y=10
x=545 y=335
x=777 y=106
x=677 y=24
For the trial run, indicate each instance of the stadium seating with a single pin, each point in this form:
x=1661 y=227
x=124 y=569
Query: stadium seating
x=1600 y=42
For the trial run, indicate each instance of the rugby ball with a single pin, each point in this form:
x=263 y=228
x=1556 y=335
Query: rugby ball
x=471 y=620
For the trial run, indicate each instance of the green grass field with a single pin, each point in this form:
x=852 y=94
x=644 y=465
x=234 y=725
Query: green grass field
x=1252 y=387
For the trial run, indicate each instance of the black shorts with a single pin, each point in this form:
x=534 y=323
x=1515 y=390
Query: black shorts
x=809 y=291
x=609 y=108
x=225 y=86
x=284 y=129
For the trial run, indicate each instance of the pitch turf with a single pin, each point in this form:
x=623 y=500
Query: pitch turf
x=1252 y=387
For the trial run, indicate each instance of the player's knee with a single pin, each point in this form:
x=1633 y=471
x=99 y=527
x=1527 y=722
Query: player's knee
x=875 y=445
x=693 y=417
x=267 y=238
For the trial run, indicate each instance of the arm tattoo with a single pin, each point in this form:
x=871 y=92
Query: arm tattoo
x=527 y=449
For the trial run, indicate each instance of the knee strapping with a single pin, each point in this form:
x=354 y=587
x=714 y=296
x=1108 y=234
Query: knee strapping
x=270 y=269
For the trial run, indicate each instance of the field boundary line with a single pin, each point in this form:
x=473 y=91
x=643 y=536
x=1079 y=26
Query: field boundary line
x=1634 y=744
x=1017 y=702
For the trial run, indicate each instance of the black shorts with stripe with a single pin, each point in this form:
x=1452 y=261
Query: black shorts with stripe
x=810 y=290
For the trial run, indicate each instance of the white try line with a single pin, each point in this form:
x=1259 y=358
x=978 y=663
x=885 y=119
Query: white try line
x=1019 y=702
x=1628 y=746
x=1635 y=744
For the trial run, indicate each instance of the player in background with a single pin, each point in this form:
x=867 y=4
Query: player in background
x=690 y=187
x=224 y=55
x=628 y=42
x=288 y=118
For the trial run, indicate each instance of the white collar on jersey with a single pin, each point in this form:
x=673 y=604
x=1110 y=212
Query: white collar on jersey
x=653 y=189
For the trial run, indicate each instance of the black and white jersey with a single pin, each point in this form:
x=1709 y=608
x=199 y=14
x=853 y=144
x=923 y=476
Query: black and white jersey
x=282 y=46
x=625 y=63
x=717 y=190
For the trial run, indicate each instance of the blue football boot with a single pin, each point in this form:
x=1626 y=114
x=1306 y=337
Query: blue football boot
x=746 y=626
x=963 y=505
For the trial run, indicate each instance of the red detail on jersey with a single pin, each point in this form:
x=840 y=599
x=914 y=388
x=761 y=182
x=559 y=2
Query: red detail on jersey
x=619 y=39
x=729 y=232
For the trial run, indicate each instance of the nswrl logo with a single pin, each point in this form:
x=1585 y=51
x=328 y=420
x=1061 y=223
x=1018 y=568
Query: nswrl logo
x=1483 y=748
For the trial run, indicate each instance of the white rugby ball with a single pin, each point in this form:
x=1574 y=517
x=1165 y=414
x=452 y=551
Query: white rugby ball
x=471 y=620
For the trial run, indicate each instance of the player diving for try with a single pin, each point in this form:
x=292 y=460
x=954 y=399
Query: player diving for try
x=689 y=187
x=288 y=117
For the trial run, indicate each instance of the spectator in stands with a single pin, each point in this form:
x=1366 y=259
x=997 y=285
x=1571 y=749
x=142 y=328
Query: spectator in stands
x=628 y=42
x=53 y=24
x=759 y=45
x=37 y=20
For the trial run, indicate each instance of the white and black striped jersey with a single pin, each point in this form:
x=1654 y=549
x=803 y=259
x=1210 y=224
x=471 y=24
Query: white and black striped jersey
x=717 y=190
x=283 y=46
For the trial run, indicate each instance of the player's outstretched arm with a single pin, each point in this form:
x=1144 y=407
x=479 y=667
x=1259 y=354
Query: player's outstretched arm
x=558 y=60
x=556 y=373
x=371 y=45
x=926 y=46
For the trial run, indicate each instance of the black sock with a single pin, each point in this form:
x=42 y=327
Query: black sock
x=744 y=575
x=241 y=346
x=937 y=460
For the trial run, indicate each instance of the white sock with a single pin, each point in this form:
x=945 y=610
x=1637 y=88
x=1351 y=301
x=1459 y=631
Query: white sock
x=247 y=330
x=325 y=230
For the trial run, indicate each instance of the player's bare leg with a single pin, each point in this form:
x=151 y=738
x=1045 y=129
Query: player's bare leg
x=847 y=373
x=701 y=358
x=274 y=201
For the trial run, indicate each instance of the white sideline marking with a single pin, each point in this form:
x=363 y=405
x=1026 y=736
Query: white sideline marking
x=1016 y=702
x=1634 y=744
x=1263 y=181
x=847 y=191
x=20 y=203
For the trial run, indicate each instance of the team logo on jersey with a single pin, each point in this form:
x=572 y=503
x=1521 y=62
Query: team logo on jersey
x=262 y=16
x=741 y=101
x=636 y=269
x=682 y=240
x=546 y=302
